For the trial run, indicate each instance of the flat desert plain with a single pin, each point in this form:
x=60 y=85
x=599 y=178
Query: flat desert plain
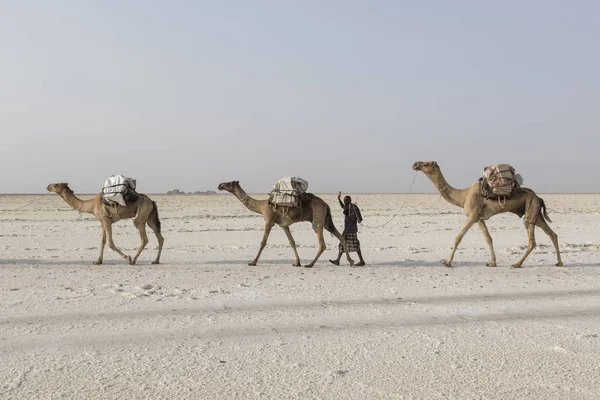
x=205 y=325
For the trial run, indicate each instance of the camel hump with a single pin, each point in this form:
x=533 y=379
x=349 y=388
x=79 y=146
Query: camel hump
x=131 y=196
x=304 y=197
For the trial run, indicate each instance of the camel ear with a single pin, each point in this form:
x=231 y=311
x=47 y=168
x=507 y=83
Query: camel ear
x=236 y=182
x=434 y=164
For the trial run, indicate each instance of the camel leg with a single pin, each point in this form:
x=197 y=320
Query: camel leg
x=108 y=228
x=288 y=233
x=342 y=240
x=339 y=257
x=468 y=224
x=142 y=230
x=488 y=239
x=322 y=246
x=553 y=236
x=159 y=237
x=263 y=243
x=102 y=244
x=530 y=245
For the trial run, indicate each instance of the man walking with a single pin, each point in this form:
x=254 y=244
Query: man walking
x=352 y=216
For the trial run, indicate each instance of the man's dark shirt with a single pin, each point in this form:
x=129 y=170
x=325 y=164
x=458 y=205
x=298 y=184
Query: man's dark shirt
x=350 y=225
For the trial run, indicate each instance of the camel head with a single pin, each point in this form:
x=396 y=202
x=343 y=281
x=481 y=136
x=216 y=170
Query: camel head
x=229 y=186
x=58 y=187
x=427 y=167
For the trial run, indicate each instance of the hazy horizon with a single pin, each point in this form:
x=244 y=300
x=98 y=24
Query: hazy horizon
x=191 y=193
x=346 y=94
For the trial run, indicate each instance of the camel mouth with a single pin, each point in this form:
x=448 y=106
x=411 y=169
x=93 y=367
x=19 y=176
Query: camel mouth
x=417 y=166
x=221 y=186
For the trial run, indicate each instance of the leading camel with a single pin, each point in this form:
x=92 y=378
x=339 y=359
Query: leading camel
x=524 y=202
x=141 y=209
x=314 y=210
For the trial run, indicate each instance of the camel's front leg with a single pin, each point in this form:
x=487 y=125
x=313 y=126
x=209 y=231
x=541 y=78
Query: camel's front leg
x=288 y=233
x=102 y=244
x=468 y=224
x=488 y=239
x=530 y=244
x=263 y=243
x=108 y=228
x=144 y=237
x=322 y=246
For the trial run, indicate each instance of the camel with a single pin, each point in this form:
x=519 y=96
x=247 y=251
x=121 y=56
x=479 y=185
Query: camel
x=524 y=202
x=314 y=210
x=141 y=209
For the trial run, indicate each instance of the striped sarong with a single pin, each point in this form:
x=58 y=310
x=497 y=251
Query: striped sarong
x=351 y=241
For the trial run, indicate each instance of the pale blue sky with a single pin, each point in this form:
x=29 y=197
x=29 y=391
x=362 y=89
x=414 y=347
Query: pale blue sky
x=346 y=94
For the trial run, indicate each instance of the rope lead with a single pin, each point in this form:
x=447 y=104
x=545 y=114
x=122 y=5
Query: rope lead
x=391 y=219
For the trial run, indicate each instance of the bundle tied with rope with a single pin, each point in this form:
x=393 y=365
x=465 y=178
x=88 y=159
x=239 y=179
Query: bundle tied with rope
x=288 y=192
x=499 y=182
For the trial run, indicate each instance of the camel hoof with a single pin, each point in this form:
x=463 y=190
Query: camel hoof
x=309 y=265
x=296 y=265
x=491 y=265
x=447 y=264
x=252 y=264
x=155 y=262
x=97 y=262
x=360 y=264
x=516 y=266
x=559 y=264
x=351 y=262
x=334 y=262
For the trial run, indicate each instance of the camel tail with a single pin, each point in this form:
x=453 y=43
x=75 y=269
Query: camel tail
x=329 y=225
x=544 y=211
x=154 y=215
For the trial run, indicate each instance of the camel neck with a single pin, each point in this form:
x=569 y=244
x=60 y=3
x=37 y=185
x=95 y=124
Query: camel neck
x=250 y=203
x=84 y=206
x=450 y=194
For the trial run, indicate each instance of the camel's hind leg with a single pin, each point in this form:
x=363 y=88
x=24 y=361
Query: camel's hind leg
x=468 y=224
x=553 y=236
x=490 y=242
x=108 y=229
x=288 y=233
x=342 y=240
x=263 y=243
x=322 y=245
x=530 y=244
x=159 y=237
x=141 y=227
x=102 y=244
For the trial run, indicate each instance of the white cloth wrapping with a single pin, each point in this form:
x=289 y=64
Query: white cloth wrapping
x=290 y=183
x=115 y=187
x=285 y=192
x=519 y=179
